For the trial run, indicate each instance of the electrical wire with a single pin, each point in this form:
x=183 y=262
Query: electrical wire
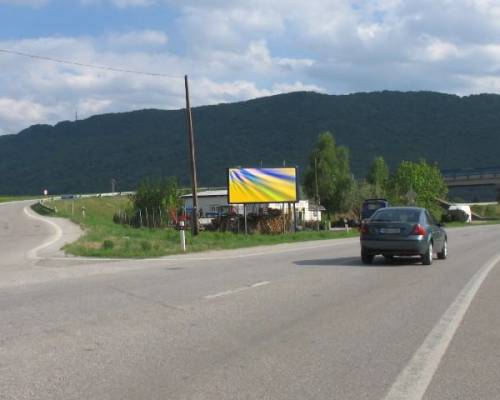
x=78 y=64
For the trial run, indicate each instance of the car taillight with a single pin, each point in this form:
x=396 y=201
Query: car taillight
x=364 y=229
x=419 y=230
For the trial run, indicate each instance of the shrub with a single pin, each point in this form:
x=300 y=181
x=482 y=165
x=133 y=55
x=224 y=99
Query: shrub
x=154 y=203
x=108 y=244
x=456 y=216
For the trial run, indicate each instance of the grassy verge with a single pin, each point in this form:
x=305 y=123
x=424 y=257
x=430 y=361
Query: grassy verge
x=474 y=223
x=104 y=238
x=489 y=211
x=4 y=199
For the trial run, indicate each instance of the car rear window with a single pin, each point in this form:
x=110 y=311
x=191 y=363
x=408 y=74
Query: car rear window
x=394 y=215
x=373 y=205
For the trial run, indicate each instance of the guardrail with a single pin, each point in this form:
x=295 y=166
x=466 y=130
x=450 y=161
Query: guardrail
x=471 y=174
x=43 y=209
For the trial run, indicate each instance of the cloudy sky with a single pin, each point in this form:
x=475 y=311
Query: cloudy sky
x=235 y=50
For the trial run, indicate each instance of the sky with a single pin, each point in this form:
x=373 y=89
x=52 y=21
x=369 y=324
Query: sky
x=235 y=50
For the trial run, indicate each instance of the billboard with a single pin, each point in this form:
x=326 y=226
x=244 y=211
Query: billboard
x=262 y=185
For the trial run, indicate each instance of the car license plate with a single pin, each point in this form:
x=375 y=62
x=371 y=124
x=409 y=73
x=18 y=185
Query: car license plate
x=390 y=230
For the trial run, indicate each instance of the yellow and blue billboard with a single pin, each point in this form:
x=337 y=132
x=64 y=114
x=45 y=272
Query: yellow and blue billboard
x=262 y=185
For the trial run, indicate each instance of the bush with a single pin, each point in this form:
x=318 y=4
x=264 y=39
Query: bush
x=146 y=246
x=108 y=244
x=456 y=216
x=154 y=205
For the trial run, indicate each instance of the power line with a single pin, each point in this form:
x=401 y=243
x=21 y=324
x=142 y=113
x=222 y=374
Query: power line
x=78 y=64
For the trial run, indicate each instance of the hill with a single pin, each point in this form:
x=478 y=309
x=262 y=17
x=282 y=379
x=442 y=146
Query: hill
x=83 y=156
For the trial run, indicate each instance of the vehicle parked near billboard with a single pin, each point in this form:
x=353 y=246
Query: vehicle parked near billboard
x=403 y=231
x=371 y=205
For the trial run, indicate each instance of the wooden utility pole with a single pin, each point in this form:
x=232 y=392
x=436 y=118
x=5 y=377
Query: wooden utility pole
x=194 y=215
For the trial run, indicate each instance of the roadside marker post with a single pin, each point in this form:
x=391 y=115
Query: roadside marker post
x=182 y=232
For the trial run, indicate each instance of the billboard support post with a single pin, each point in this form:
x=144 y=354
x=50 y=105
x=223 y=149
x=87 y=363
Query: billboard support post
x=284 y=218
x=290 y=216
x=294 y=219
x=245 y=217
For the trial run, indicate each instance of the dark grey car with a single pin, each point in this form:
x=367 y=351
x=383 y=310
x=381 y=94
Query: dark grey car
x=403 y=231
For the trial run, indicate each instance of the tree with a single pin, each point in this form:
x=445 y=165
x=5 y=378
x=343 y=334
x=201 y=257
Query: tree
x=379 y=174
x=423 y=179
x=159 y=196
x=358 y=192
x=329 y=171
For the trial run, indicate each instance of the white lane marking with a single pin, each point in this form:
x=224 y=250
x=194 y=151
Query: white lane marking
x=238 y=290
x=413 y=381
x=260 y=284
x=33 y=253
x=336 y=242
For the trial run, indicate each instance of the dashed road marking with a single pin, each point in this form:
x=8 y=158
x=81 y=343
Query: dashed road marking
x=237 y=290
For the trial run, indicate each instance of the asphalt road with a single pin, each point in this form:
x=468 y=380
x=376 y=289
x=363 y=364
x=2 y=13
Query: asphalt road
x=301 y=321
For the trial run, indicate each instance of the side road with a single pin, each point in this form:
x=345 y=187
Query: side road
x=27 y=238
x=31 y=254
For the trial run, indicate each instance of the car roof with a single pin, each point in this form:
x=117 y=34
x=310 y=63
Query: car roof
x=402 y=208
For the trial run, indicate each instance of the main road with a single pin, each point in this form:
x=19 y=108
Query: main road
x=295 y=321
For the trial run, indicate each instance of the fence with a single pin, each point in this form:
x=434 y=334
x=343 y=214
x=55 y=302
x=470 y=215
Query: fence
x=147 y=218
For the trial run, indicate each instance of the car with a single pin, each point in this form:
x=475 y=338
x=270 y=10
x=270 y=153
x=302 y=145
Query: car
x=403 y=231
x=371 y=205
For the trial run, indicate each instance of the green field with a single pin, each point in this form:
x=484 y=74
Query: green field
x=5 y=199
x=104 y=238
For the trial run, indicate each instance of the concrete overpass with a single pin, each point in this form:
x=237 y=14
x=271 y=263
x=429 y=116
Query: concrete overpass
x=473 y=177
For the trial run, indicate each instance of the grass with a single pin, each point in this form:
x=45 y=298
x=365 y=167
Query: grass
x=489 y=211
x=104 y=238
x=474 y=223
x=5 y=198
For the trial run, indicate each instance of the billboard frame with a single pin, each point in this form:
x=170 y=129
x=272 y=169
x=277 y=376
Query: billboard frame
x=297 y=199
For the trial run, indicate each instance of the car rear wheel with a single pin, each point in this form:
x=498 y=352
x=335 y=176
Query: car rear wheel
x=366 y=257
x=444 y=252
x=427 y=257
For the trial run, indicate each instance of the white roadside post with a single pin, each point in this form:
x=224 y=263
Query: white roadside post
x=183 y=235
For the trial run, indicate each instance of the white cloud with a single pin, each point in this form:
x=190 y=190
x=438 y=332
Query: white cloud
x=92 y=106
x=243 y=49
x=20 y=113
x=138 y=38
x=439 y=50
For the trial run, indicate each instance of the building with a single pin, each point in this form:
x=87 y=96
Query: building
x=214 y=202
x=211 y=202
